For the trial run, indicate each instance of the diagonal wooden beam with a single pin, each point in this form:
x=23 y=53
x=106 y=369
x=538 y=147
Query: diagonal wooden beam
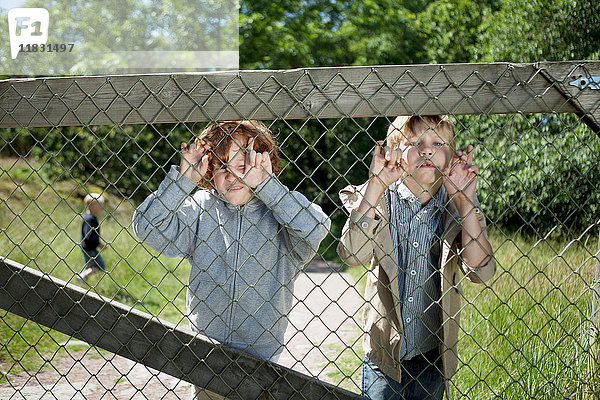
x=146 y=339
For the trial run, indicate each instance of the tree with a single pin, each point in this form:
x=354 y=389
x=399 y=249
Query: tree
x=105 y=34
x=548 y=30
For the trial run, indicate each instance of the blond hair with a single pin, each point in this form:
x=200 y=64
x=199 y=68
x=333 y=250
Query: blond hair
x=93 y=197
x=219 y=136
x=403 y=126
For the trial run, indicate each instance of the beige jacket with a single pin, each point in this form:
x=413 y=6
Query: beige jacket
x=366 y=239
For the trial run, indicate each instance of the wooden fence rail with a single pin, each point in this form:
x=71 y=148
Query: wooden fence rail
x=157 y=344
x=332 y=92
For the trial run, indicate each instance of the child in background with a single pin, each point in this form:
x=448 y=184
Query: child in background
x=245 y=234
x=417 y=221
x=90 y=237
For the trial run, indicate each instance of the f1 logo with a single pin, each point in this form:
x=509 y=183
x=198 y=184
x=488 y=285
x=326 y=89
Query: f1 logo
x=27 y=26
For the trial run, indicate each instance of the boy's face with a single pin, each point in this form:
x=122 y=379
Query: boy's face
x=427 y=152
x=226 y=180
x=96 y=209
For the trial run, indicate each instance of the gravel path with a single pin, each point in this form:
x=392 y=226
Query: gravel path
x=323 y=322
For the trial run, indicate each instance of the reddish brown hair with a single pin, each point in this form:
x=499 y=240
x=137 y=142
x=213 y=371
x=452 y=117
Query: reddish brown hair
x=219 y=136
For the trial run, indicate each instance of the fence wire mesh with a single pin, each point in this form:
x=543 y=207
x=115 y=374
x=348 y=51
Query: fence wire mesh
x=289 y=266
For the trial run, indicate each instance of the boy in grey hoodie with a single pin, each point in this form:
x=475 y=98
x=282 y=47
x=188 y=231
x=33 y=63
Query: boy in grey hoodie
x=245 y=234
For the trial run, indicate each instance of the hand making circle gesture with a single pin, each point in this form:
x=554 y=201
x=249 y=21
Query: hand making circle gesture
x=194 y=160
x=387 y=165
x=460 y=179
x=257 y=166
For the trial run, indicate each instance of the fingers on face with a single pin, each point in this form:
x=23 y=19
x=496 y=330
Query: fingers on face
x=459 y=156
x=387 y=154
x=251 y=158
x=266 y=159
x=204 y=163
x=464 y=158
x=468 y=155
x=392 y=157
x=255 y=159
x=395 y=158
x=198 y=146
x=202 y=145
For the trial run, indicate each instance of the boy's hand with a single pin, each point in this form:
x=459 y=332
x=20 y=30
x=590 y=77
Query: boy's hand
x=257 y=166
x=194 y=160
x=387 y=166
x=460 y=178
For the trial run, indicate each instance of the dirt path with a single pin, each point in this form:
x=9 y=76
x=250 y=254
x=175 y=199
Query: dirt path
x=323 y=322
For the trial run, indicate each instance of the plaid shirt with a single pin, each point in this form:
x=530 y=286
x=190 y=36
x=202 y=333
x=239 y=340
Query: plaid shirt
x=416 y=231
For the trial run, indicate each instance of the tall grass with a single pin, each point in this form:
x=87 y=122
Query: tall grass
x=524 y=334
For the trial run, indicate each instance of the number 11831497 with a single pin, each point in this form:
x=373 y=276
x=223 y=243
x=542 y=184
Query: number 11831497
x=48 y=48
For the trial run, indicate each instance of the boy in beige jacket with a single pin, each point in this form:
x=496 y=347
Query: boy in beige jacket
x=418 y=222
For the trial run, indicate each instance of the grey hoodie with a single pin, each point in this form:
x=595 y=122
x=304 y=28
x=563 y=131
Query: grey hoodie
x=244 y=258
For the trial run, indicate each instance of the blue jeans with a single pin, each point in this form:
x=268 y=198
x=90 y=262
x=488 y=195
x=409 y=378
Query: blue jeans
x=93 y=259
x=422 y=379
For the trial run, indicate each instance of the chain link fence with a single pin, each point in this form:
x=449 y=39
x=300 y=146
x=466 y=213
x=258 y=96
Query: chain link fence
x=530 y=331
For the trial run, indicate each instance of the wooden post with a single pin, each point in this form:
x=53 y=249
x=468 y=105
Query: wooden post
x=146 y=339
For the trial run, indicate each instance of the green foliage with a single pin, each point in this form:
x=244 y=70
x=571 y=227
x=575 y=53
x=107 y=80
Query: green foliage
x=300 y=33
x=451 y=29
x=297 y=33
x=537 y=172
x=509 y=30
x=525 y=31
x=384 y=32
x=126 y=160
x=292 y=34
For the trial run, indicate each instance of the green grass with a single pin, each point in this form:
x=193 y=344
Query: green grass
x=41 y=228
x=346 y=371
x=524 y=334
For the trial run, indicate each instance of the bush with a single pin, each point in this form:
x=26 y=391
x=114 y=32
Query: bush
x=537 y=172
x=126 y=160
